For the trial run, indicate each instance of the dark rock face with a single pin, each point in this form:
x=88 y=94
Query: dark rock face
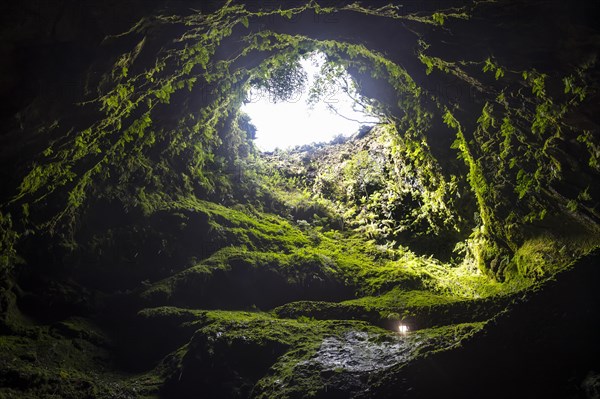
x=155 y=254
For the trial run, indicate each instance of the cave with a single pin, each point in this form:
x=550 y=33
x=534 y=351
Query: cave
x=447 y=247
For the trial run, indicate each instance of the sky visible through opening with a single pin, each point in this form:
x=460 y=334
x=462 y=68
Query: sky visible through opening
x=292 y=123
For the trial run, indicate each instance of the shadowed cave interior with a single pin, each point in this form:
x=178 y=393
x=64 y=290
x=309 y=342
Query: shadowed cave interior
x=149 y=249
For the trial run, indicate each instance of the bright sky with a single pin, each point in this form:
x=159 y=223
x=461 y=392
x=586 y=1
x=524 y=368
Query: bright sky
x=291 y=123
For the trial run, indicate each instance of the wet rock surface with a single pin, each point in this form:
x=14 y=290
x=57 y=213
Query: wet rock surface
x=360 y=352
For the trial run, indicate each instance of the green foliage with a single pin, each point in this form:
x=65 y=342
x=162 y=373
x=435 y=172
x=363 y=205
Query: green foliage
x=8 y=239
x=593 y=148
x=525 y=183
x=476 y=178
x=69 y=360
x=538 y=85
x=438 y=18
x=572 y=87
x=282 y=79
x=434 y=62
x=539 y=257
x=518 y=159
x=387 y=188
x=394 y=11
x=491 y=66
x=331 y=79
x=486 y=120
x=584 y=195
x=247 y=227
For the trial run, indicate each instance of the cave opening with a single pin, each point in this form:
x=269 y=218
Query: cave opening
x=312 y=100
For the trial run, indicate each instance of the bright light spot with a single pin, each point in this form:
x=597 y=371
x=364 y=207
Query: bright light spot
x=291 y=123
x=403 y=329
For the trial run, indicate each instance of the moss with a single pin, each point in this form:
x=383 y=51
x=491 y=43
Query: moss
x=239 y=347
x=535 y=258
x=419 y=309
x=239 y=226
x=81 y=328
x=320 y=310
x=254 y=229
x=337 y=266
x=173 y=314
x=69 y=360
x=445 y=337
x=371 y=185
x=287 y=376
x=544 y=252
x=11 y=319
x=370 y=268
x=374 y=270
x=398 y=299
x=8 y=240
x=293 y=375
x=235 y=277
